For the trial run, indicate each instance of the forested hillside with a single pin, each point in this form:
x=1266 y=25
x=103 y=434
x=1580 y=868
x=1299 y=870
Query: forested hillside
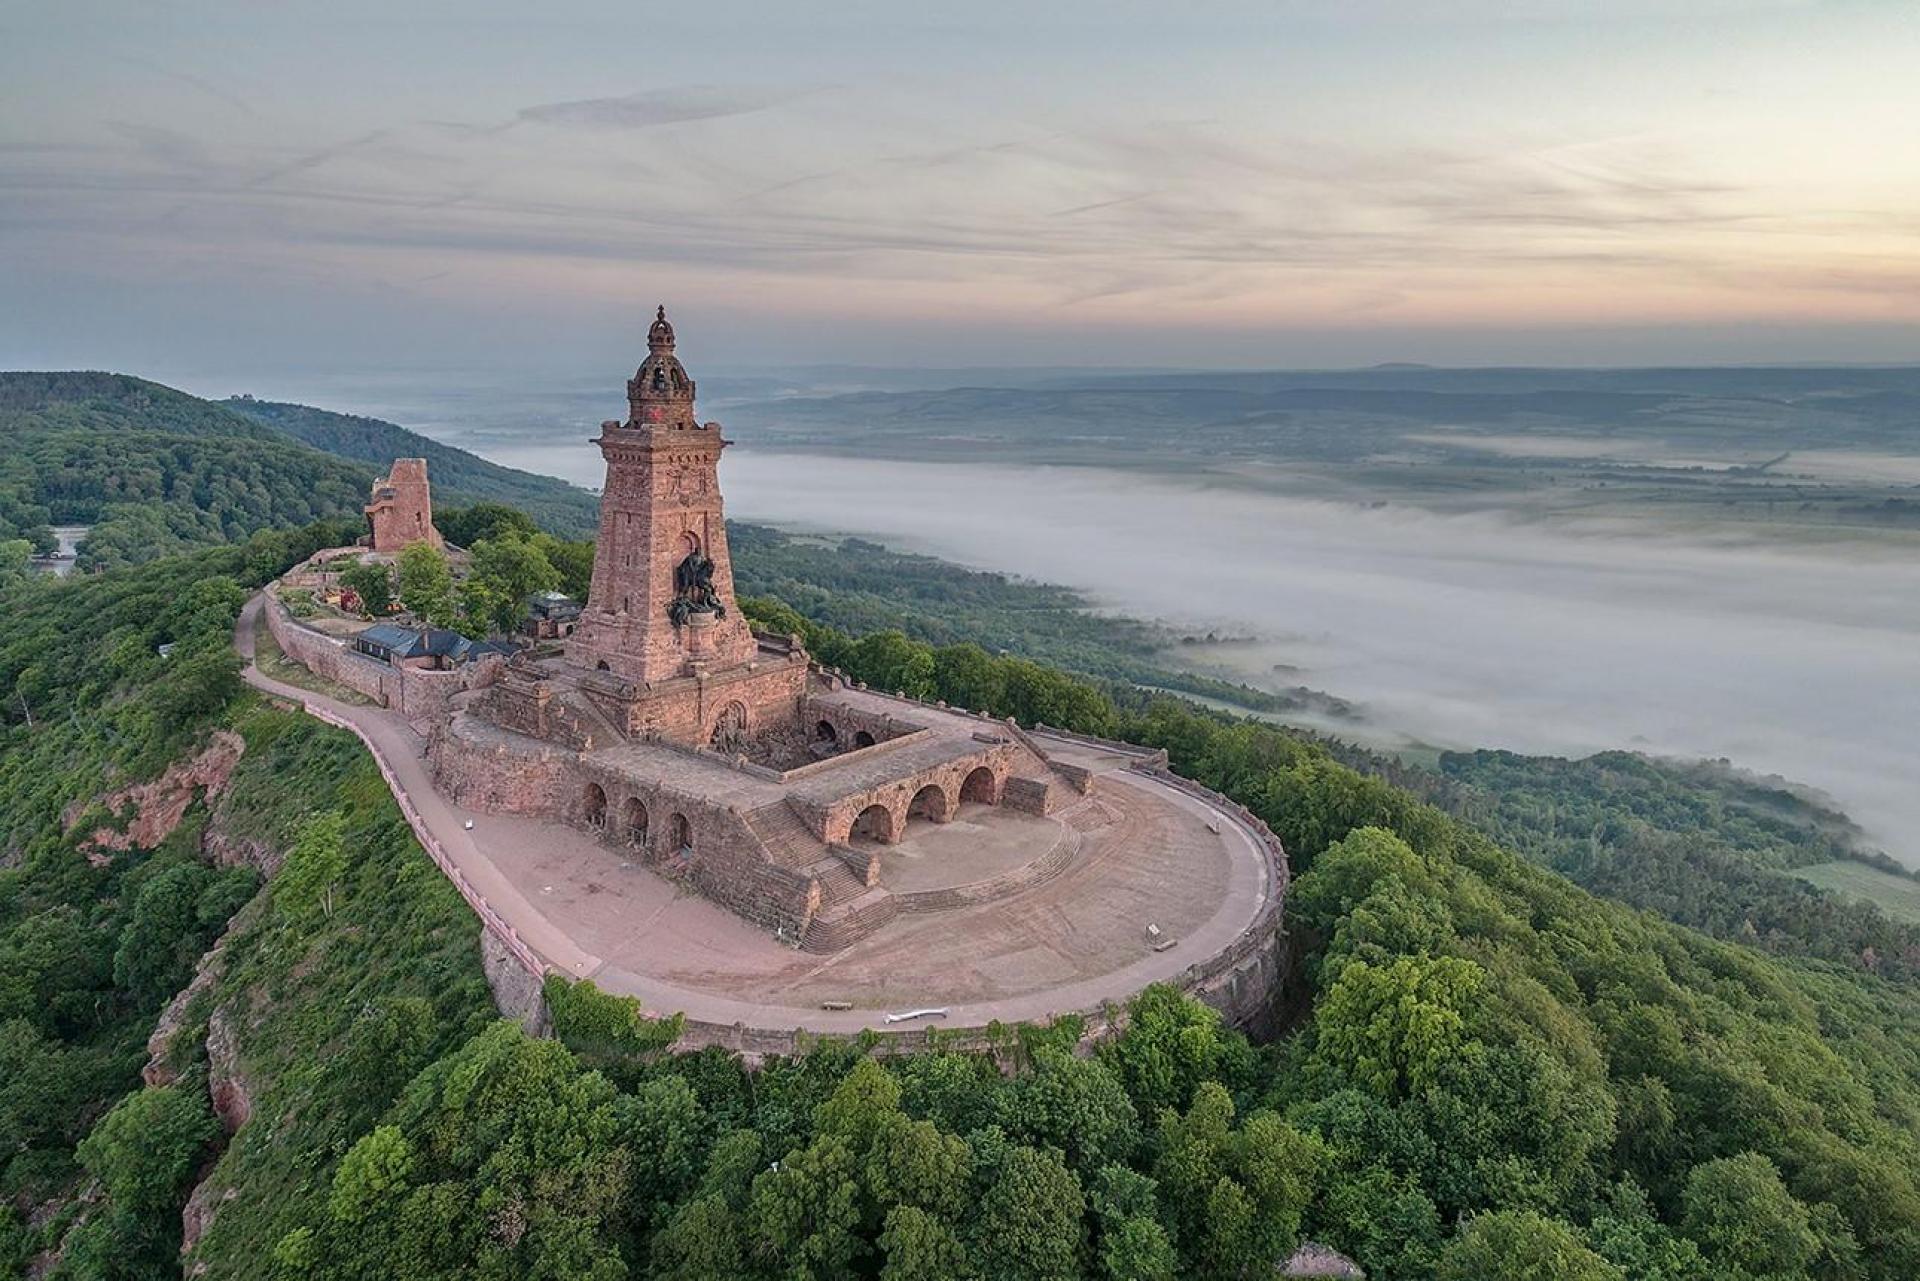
x=1700 y=843
x=458 y=477
x=154 y=471
x=1488 y=1073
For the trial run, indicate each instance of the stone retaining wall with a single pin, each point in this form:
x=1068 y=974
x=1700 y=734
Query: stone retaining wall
x=415 y=692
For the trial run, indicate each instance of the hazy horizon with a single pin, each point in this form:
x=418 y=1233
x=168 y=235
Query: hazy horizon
x=204 y=188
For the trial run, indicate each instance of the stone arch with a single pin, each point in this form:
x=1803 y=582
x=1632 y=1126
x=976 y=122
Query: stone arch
x=602 y=666
x=824 y=732
x=633 y=821
x=730 y=729
x=863 y=739
x=931 y=803
x=680 y=835
x=689 y=543
x=876 y=823
x=593 y=805
x=981 y=785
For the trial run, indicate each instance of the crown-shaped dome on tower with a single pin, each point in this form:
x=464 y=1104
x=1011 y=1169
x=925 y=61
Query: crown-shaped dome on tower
x=660 y=391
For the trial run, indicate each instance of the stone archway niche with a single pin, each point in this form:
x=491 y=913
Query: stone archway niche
x=981 y=785
x=875 y=823
x=930 y=803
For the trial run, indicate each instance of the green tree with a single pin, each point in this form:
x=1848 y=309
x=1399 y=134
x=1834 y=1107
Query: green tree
x=889 y=661
x=920 y=1247
x=1171 y=1044
x=602 y=1024
x=573 y=561
x=506 y=570
x=1349 y=870
x=426 y=584
x=967 y=676
x=1520 y=1245
x=145 y=1150
x=1746 y=1222
x=1628 y=1234
x=805 y=1213
x=14 y=555
x=1130 y=1243
x=1030 y=1221
x=1393 y=1027
x=1073 y=1104
x=373 y=1173
x=309 y=880
x=913 y=1163
x=470 y=526
x=703 y=1241
x=372 y=582
x=174 y=916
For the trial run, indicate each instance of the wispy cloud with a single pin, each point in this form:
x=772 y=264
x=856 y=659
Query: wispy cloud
x=651 y=108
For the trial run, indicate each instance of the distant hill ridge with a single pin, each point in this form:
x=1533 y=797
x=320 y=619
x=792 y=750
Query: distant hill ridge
x=155 y=471
x=458 y=477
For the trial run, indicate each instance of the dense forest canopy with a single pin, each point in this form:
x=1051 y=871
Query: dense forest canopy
x=154 y=471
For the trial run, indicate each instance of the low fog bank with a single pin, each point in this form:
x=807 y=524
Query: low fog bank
x=1465 y=631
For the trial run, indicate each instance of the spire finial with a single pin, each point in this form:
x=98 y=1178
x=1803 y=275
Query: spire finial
x=660 y=333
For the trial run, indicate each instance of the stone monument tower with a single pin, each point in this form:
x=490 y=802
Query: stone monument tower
x=661 y=604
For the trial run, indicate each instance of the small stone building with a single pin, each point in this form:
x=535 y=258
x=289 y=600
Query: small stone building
x=552 y=616
x=427 y=648
x=402 y=508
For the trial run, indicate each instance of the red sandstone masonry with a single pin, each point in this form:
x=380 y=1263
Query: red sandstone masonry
x=402 y=508
x=413 y=691
x=1234 y=980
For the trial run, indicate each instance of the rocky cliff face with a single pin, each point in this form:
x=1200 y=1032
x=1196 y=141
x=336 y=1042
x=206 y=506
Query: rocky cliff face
x=153 y=809
x=516 y=993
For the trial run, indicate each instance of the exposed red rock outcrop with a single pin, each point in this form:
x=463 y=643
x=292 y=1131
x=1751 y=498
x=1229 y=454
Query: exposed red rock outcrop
x=159 y=805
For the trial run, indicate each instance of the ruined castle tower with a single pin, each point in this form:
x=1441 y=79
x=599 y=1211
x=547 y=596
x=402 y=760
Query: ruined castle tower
x=661 y=604
x=402 y=507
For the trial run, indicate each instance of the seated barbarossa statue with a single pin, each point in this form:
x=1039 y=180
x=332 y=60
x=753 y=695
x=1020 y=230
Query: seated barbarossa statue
x=693 y=588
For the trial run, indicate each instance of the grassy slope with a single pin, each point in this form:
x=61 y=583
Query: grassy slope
x=337 y=1012
x=1897 y=896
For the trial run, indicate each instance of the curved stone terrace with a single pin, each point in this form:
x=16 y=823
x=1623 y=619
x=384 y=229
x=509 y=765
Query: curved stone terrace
x=1046 y=916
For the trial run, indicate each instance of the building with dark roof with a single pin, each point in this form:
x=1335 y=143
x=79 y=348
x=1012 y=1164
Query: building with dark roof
x=433 y=648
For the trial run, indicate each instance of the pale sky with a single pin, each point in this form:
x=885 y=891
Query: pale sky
x=191 y=189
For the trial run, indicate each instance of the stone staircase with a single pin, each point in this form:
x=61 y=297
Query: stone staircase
x=838 y=882
x=833 y=928
x=589 y=722
x=788 y=840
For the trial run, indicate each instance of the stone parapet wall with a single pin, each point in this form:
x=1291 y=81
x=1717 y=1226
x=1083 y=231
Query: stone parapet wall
x=1239 y=981
x=848 y=721
x=476 y=768
x=1153 y=756
x=413 y=691
x=839 y=760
